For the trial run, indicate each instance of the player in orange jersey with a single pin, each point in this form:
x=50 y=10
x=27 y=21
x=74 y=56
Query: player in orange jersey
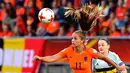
x=78 y=54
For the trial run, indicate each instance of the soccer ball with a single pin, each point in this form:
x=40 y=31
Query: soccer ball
x=46 y=15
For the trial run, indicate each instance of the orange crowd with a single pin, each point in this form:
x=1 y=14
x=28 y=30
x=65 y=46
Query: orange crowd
x=19 y=18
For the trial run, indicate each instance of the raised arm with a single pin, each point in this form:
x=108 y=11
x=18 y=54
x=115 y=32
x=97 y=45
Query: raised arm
x=119 y=62
x=124 y=71
x=105 y=58
x=52 y=58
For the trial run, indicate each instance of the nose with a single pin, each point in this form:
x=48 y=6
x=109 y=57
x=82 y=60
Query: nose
x=72 y=40
x=99 y=47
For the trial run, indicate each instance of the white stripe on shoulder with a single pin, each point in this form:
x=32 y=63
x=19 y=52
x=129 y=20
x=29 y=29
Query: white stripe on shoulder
x=94 y=50
x=113 y=53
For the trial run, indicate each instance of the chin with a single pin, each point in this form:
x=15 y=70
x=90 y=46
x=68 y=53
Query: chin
x=73 y=45
x=101 y=52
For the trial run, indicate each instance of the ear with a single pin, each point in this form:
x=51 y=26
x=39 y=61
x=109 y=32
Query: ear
x=85 y=42
x=108 y=46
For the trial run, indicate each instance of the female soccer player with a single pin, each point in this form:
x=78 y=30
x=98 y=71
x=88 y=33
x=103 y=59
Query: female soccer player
x=101 y=66
x=78 y=54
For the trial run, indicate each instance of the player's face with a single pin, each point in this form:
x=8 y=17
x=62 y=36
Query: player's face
x=103 y=46
x=76 y=40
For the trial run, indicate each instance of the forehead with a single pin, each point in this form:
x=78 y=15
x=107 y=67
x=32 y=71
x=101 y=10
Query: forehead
x=75 y=35
x=102 y=42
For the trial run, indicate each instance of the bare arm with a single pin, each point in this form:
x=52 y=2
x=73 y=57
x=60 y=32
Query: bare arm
x=100 y=56
x=124 y=71
x=52 y=58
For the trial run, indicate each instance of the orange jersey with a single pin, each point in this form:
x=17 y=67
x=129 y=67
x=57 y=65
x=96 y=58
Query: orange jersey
x=80 y=63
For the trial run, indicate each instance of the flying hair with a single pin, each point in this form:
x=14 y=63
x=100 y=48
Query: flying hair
x=86 y=16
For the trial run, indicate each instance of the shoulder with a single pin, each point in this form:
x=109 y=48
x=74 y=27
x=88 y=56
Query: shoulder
x=91 y=49
x=114 y=55
x=65 y=51
x=68 y=48
x=116 y=58
x=95 y=50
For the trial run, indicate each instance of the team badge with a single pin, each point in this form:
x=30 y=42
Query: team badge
x=85 y=58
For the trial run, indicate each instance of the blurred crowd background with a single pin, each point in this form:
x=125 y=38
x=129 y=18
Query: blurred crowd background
x=19 y=18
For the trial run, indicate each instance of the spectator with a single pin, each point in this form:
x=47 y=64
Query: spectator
x=52 y=28
x=21 y=24
x=61 y=11
x=0 y=26
x=2 y=11
x=13 y=2
x=114 y=31
x=16 y=32
x=123 y=31
x=120 y=11
x=104 y=7
x=31 y=21
x=71 y=30
x=128 y=29
x=7 y=19
x=112 y=8
x=110 y=21
x=61 y=32
x=125 y=21
x=6 y=32
x=20 y=14
x=40 y=4
x=20 y=10
x=32 y=10
x=30 y=32
x=104 y=32
x=11 y=10
x=55 y=9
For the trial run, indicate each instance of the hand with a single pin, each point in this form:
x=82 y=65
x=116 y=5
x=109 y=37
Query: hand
x=127 y=67
x=36 y=58
x=122 y=68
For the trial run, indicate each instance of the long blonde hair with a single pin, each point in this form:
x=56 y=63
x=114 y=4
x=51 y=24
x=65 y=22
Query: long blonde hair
x=86 y=16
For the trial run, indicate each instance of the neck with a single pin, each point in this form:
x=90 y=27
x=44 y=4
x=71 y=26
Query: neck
x=79 y=49
x=106 y=53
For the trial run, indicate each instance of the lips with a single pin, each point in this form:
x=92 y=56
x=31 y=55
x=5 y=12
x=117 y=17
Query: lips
x=100 y=49
x=73 y=44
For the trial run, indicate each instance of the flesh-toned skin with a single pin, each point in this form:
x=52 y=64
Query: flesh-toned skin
x=78 y=45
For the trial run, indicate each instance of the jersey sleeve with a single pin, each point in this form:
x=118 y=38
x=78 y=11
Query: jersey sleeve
x=93 y=52
x=63 y=53
x=117 y=60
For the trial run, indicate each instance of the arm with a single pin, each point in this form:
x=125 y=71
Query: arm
x=124 y=71
x=100 y=56
x=52 y=58
x=119 y=62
